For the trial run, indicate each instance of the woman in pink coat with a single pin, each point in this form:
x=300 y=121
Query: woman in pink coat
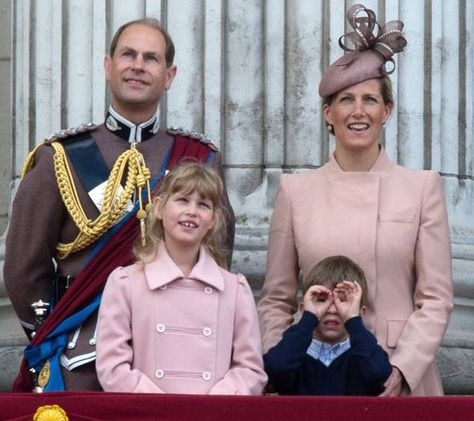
x=177 y=322
x=391 y=220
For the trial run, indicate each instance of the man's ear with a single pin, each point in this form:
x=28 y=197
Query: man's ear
x=301 y=306
x=170 y=75
x=363 y=310
x=107 y=67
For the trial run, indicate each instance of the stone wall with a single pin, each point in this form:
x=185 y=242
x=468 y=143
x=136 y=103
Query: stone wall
x=5 y=111
x=12 y=338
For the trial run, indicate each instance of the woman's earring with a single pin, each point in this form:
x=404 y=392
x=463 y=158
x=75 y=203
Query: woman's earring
x=330 y=128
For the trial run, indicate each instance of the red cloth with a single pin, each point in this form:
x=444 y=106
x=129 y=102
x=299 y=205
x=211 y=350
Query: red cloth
x=128 y=407
x=116 y=252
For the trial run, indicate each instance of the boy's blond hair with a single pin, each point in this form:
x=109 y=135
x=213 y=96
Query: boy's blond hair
x=334 y=269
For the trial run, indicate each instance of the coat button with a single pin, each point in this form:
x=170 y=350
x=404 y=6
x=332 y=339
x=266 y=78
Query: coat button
x=160 y=328
x=159 y=374
x=207 y=331
x=206 y=375
x=92 y=341
x=71 y=345
x=208 y=290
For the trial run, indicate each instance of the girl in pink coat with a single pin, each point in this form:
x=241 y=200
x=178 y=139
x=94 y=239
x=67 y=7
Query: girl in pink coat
x=176 y=321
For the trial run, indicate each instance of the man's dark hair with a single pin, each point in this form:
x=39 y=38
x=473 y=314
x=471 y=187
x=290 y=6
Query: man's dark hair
x=151 y=23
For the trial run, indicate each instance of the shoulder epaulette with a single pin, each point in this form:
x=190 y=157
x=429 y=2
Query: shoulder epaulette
x=65 y=133
x=58 y=136
x=193 y=134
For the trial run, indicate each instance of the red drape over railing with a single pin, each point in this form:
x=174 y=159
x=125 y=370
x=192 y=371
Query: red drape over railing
x=127 y=407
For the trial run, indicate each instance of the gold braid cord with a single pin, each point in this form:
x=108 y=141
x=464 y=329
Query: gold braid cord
x=29 y=161
x=113 y=206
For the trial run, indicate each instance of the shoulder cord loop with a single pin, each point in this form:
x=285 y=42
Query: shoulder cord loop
x=137 y=176
x=29 y=161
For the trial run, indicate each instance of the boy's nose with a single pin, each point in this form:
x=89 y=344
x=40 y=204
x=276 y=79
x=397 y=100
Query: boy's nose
x=332 y=309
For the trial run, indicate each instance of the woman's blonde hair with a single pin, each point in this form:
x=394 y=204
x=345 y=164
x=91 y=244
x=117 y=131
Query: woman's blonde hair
x=186 y=177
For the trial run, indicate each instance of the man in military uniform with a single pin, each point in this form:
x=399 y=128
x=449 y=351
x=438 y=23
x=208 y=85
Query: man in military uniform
x=77 y=188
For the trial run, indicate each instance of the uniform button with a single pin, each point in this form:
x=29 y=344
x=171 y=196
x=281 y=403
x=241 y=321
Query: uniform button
x=208 y=290
x=207 y=331
x=71 y=345
x=206 y=375
x=92 y=341
x=159 y=373
x=160 y=328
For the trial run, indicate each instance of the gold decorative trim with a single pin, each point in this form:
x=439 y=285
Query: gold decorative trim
x=50 y=413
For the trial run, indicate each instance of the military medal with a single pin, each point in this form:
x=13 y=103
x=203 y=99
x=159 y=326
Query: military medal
x=44 y=375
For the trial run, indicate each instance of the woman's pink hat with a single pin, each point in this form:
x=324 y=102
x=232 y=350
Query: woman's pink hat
x=369 y=55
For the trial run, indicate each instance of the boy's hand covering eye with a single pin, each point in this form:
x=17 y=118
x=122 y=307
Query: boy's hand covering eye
x=317 y=300
x=347 y=298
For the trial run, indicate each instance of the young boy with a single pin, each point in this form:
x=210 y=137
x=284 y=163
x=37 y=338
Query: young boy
x=329 y=351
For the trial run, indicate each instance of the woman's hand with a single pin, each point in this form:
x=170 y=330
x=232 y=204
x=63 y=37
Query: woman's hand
x=394 y=384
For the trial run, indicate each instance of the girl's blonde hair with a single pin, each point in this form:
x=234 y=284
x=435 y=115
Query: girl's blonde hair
x=186 y=177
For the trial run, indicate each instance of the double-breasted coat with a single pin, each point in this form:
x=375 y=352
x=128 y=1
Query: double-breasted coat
x=162 y=332
x=390 y=220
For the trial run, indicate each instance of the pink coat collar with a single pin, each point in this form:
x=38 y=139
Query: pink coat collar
x=382 y=163
x=164 y=270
